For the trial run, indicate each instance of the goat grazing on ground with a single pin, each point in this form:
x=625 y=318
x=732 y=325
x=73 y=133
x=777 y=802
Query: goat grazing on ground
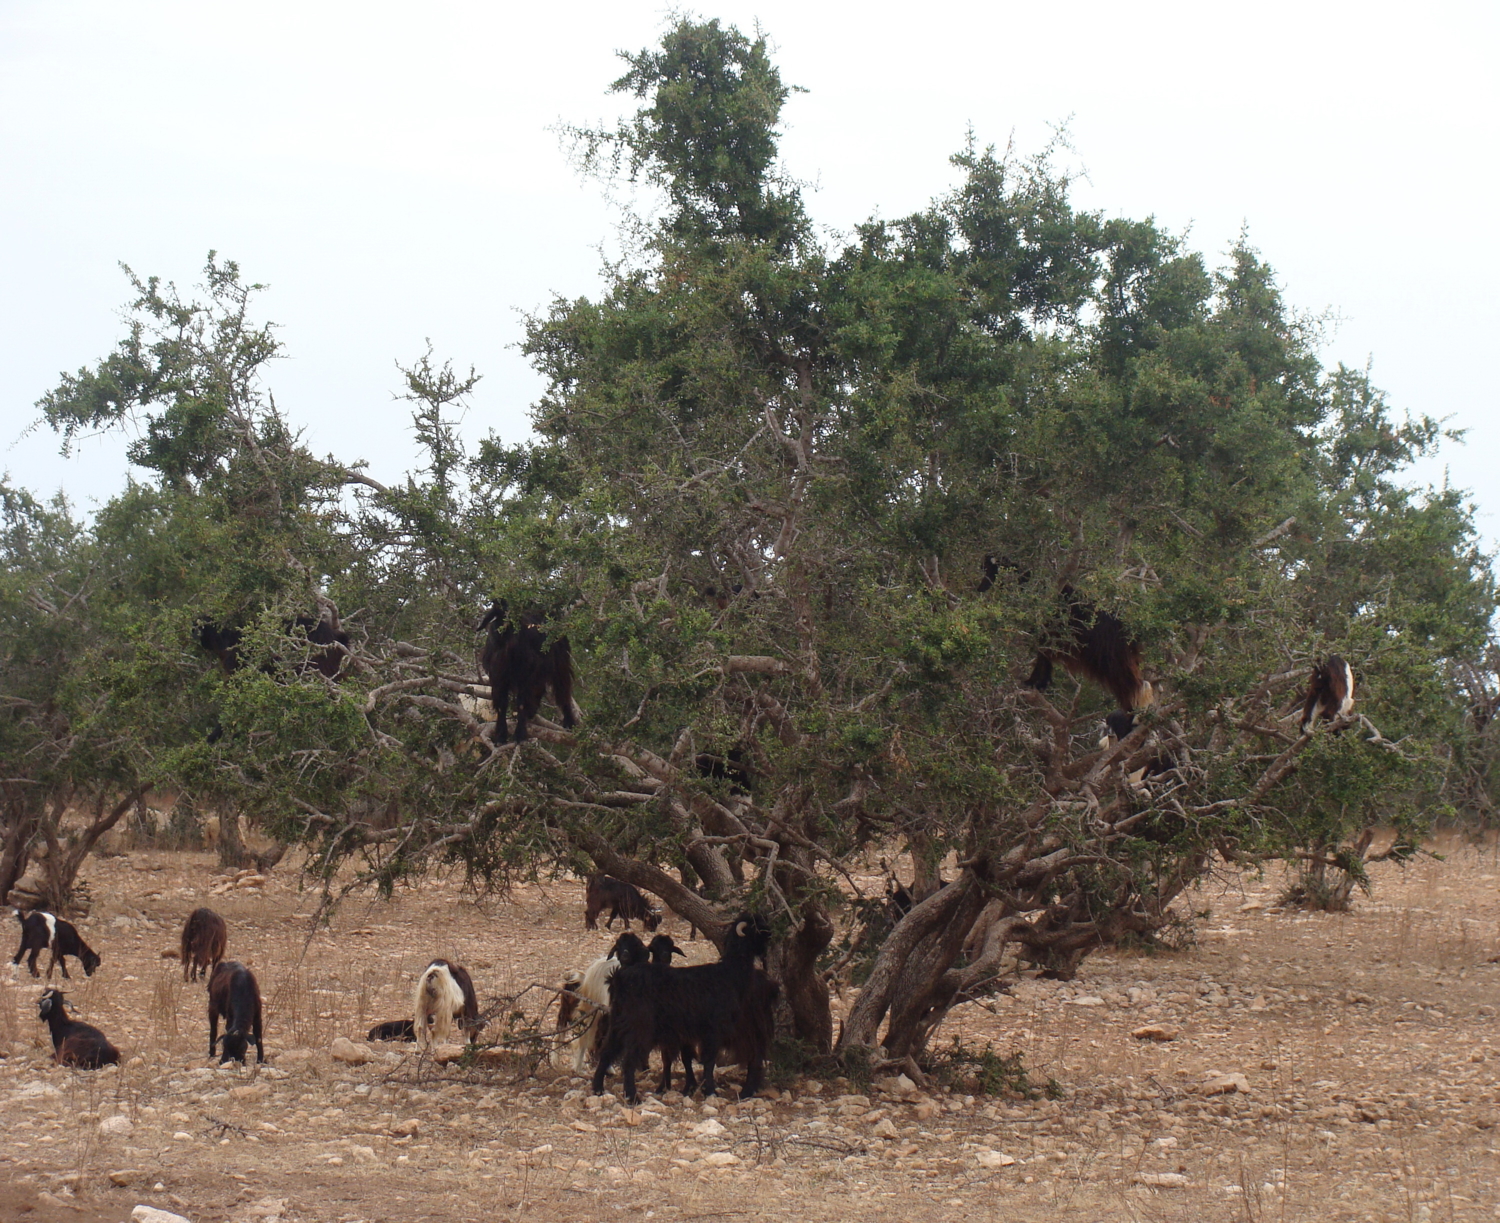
x=515 y=658
x=589 y=996
x=444 y=993
x=621 y=899
x=393 y=1029
x=74 y=1043
x=204 y=937
x=699 y=1007
x=1330 y=693
x=234 y=995
x=40 y=930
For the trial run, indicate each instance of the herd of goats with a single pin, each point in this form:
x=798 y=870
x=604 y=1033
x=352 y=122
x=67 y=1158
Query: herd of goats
x=622 y=1007
x=631 y=1001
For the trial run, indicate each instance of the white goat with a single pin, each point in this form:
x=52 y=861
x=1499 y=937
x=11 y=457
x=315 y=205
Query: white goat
x=438 y=1001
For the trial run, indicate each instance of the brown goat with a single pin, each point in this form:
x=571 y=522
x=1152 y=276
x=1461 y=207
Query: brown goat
x=204 y=937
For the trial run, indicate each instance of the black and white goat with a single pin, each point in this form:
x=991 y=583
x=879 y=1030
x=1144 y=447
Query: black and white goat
x=586 y=995
x=516 y=658
x=234 y=994
x=621 y=899
x=204 y=937
x=41 y=930
x=699 y=1007
x=444 y=993
x=1330 y=693
x=74 y=1043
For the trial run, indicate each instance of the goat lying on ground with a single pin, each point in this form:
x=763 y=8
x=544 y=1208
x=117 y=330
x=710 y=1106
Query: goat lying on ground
x=74 y=1043
x=204 y=937
x=393 y=1029
x=1330 y=693
x=46 y=930
x=622 y=900
x=589 y=995
x=516 y=659
x=444 y=993
x=234 y=994
x=699 y=1007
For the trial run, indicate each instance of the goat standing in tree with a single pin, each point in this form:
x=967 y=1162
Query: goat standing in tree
x=516 y=658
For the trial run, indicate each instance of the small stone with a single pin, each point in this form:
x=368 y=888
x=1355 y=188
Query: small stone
x=904 y=1086
x=118 y=1124
x=182 y=1136
x=345 y=1050
x=124 y=1177
x=884 y=1128
x=443 y=1054
x=721 y=1159
x=1252 y=906
x=251 y=1093
x=583 y=1127
x=1225 y=1084
x=1088 y=1000
x=150 y=1214
x=994 y=1159
x=926 y=1110
x=709 y=1129
x=1355 y=998
x=409 y=1128
x=630 y=1116
x=1158 y=1032
x=1161 y=1180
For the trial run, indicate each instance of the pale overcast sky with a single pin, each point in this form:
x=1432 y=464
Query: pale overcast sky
x=389 y=170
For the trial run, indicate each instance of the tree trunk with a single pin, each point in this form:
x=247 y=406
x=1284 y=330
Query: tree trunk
x=62 y=864
x=232 y=853
x=804 y=994
x=23 y=817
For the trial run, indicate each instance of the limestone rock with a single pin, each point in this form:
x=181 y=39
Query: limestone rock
x=251 y=1093
x=443 y=1054
x=1087 y=1000
x=124 y=1177
x=989 y=1158
x=409 y=1128
x=884 y=1128
x=1158 y=1032
x=150 y=1214
x=721 y=1159
x=118 y=1124
x=1161 y=1180
x=708 y=1129
x=345 y=1050
x=1225 y=1084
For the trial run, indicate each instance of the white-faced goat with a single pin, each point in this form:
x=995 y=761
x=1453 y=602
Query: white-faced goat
x=204 y=937
x=234 y=995
x=584 y=999
x=74 y=1043
x=46 y=930
x=674 y=1009
x=444 y=993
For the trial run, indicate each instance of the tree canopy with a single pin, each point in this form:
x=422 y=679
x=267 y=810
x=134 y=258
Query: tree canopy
x=766 y=472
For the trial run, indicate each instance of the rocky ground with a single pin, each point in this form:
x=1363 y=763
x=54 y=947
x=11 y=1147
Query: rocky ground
x=1289 y=1066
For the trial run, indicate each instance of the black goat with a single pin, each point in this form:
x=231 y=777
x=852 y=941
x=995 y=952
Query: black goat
x=699 y=1007
x=515 y=658
x=234 y=994
x=74 y=1043
x=204 y=937
x=621 y=899
x=1095 y=644
x=731 y=767
x=1330 y=693
x=393 y=1029
x=223 y=641
x=40 y=929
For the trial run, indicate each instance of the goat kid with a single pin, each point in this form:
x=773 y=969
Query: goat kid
x=234 y=995
x=40 y=930
x=74 y=1043
x=204 y=937
x=623 y=901
x=1330 y=693
x=444 y=993
x=515 y=658
x=326 y=633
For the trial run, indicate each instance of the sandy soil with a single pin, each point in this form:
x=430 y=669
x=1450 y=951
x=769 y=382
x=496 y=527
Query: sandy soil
x=1367 y=1046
